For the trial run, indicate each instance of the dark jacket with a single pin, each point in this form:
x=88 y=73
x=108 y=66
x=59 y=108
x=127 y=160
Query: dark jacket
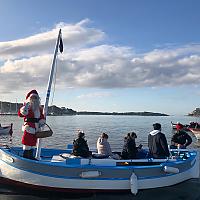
x=181 y=137
x=80 y=148
x=129 y=149
x=157 y=143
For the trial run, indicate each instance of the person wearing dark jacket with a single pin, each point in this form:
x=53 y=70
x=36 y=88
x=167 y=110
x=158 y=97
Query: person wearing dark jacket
x=80 y=146
x=129 y=149
x=157 y=143
x=180 y=139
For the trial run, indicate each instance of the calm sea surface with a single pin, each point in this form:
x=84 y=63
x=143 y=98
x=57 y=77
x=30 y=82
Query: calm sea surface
x=65 y=131
x=65 y=128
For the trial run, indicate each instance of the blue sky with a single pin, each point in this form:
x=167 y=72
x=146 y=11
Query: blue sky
x=118 y=55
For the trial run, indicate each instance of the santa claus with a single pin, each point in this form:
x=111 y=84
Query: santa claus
x=32 y=113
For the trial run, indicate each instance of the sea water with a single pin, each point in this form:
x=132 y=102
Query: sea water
x=65 y=128
x=65 y=131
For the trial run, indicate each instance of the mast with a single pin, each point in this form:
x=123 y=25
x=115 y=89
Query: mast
x=10 y=111
x=45 y=110
x=16 y=107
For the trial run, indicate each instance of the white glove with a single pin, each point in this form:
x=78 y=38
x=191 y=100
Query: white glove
x=26 y=107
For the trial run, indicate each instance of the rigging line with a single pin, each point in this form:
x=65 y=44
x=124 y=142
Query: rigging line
x=54 y=83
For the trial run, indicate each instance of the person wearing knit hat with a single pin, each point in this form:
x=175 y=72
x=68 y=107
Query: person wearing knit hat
x=130 y=150
x=32 y=112
x=181 y=139
x=179 y=126
x=80 y=146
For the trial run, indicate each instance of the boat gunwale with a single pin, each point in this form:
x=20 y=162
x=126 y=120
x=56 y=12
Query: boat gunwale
x=90 y=165
x=94 y=178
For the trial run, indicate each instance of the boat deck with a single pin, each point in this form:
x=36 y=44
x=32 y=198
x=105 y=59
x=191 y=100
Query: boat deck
x=64 y=157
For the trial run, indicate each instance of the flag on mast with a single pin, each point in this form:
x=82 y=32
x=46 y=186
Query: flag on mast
x=61 y=44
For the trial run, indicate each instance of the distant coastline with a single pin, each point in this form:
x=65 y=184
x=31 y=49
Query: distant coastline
x=8 y=108
x=122 y=113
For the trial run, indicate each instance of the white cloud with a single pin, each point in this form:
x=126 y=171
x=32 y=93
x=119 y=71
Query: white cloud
x=74 y=35
x=87 y=63
x=94 y=95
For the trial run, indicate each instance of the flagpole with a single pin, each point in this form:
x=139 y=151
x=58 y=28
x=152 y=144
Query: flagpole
x=45 y=110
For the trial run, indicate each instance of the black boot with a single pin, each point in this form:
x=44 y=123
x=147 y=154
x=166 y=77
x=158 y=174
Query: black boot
x=26 y=154
x=31 y=155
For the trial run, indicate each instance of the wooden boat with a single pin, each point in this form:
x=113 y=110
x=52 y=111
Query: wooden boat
x=173 y=125
x=61 y=172
x=57 y=170
x=196 y=132
x=193 y=127
x=6 y=130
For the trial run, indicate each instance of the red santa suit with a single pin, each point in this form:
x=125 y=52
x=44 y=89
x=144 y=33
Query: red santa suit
x=33 y=120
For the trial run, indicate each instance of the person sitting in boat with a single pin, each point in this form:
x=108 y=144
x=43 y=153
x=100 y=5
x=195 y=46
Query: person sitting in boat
x=80 y=146
x=157 y=143
x=103 y=146
x=129 y=149
x=180 y=139
x=194 y=125
x=32 y=113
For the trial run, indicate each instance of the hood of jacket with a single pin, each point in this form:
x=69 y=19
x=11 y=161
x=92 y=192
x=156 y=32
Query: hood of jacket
x=101 y=141
x=154 y=132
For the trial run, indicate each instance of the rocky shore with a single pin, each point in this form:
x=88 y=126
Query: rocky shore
x=195 y=113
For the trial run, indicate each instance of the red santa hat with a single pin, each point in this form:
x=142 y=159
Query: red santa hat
x=32 y=93
x=179 y=126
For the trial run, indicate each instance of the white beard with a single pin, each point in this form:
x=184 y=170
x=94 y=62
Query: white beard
x=35 y=104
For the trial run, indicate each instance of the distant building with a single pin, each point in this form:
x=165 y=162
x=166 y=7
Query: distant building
x=9 y=108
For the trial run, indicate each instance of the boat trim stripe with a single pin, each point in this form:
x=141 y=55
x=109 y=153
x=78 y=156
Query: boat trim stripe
x=67 y=177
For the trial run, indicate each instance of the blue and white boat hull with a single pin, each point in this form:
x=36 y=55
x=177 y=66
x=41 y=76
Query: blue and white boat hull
x=56 y=173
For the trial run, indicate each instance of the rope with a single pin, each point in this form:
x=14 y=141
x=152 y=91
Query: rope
x=54 y=83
